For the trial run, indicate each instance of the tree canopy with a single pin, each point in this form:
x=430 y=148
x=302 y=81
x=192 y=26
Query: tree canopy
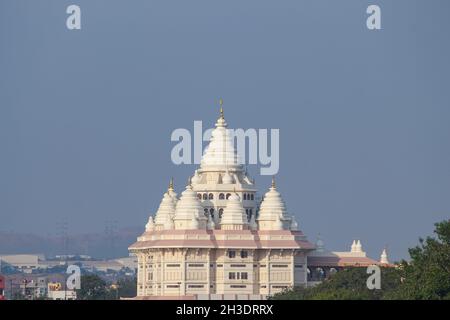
x=425 y=276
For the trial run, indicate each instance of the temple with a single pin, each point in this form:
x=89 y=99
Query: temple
x=219 y=240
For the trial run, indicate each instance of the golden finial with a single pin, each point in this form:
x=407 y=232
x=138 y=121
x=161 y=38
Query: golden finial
x=273 y=182
x=221 y=108
x=171 y=184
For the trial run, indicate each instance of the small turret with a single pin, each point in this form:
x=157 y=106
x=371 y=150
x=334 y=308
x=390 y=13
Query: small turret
x=384 y=257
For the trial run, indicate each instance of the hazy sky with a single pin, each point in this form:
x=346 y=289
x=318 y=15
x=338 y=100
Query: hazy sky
x=364 y=116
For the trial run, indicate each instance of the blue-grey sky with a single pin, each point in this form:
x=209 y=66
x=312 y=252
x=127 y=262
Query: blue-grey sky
x=364 y=116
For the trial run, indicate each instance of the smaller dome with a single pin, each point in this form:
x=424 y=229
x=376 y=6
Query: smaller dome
x=234 y=213
x=150 y=226
x=165 y=211
x=227 y=178
x=196 y=178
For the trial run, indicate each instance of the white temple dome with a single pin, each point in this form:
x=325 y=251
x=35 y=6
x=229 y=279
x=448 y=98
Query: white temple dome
x=384 y=257
x=188 y=208
x=227 y=178
x=220 y=154
x=165 y=212
x=234 y=213
x=272 y=205
x=196 y=178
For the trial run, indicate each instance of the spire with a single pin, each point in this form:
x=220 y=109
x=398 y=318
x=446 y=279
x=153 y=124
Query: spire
x=171 y=192
x=221 y=108
x=273 y=186
x=353 y=247
x=358 y=246
x=319 y=244
x=171 y=184
x=384 y=257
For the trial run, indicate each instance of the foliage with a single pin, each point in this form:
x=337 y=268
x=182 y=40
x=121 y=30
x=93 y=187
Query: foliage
x=425 y=276
x=93 y=287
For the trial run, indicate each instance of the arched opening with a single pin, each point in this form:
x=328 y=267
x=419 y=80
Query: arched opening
x=210 y=196
x=220 y=213
x=221 y=196
x=205 y=196
x=228 y=195
x=252 y=197
x=245 y=196
x=199 y=196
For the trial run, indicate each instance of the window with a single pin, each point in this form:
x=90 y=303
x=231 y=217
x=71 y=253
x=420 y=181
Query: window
x=221 y=196
x=210 y=196
x=237 y=265
x=196 y=265
x=172 y=286
x=244 y=254
x=252 y=197
x=279 y=266
x=172 y=265
x=199 y=196
x=195 y=286
x=205 y=196
x=220 y=213
x=244 y=275
x=232 y=275
x=231 y=254
x=245 y=196
x=228 y=195
x=205 y=210
x=238 y=286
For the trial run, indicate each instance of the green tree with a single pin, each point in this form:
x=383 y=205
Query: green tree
x=127 y=287
x=93 y=287
x=427 y=275
x=347 y=284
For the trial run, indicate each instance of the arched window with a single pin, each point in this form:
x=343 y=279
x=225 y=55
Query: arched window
x=245 y=196
x=246 y=212
x=205 y=196
x=249 y=214
x=221 y=196
x=205 y=210
x=252 y=197
x=211 y=196
x=199 y=196
x=228 y=195
x=220 y=212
